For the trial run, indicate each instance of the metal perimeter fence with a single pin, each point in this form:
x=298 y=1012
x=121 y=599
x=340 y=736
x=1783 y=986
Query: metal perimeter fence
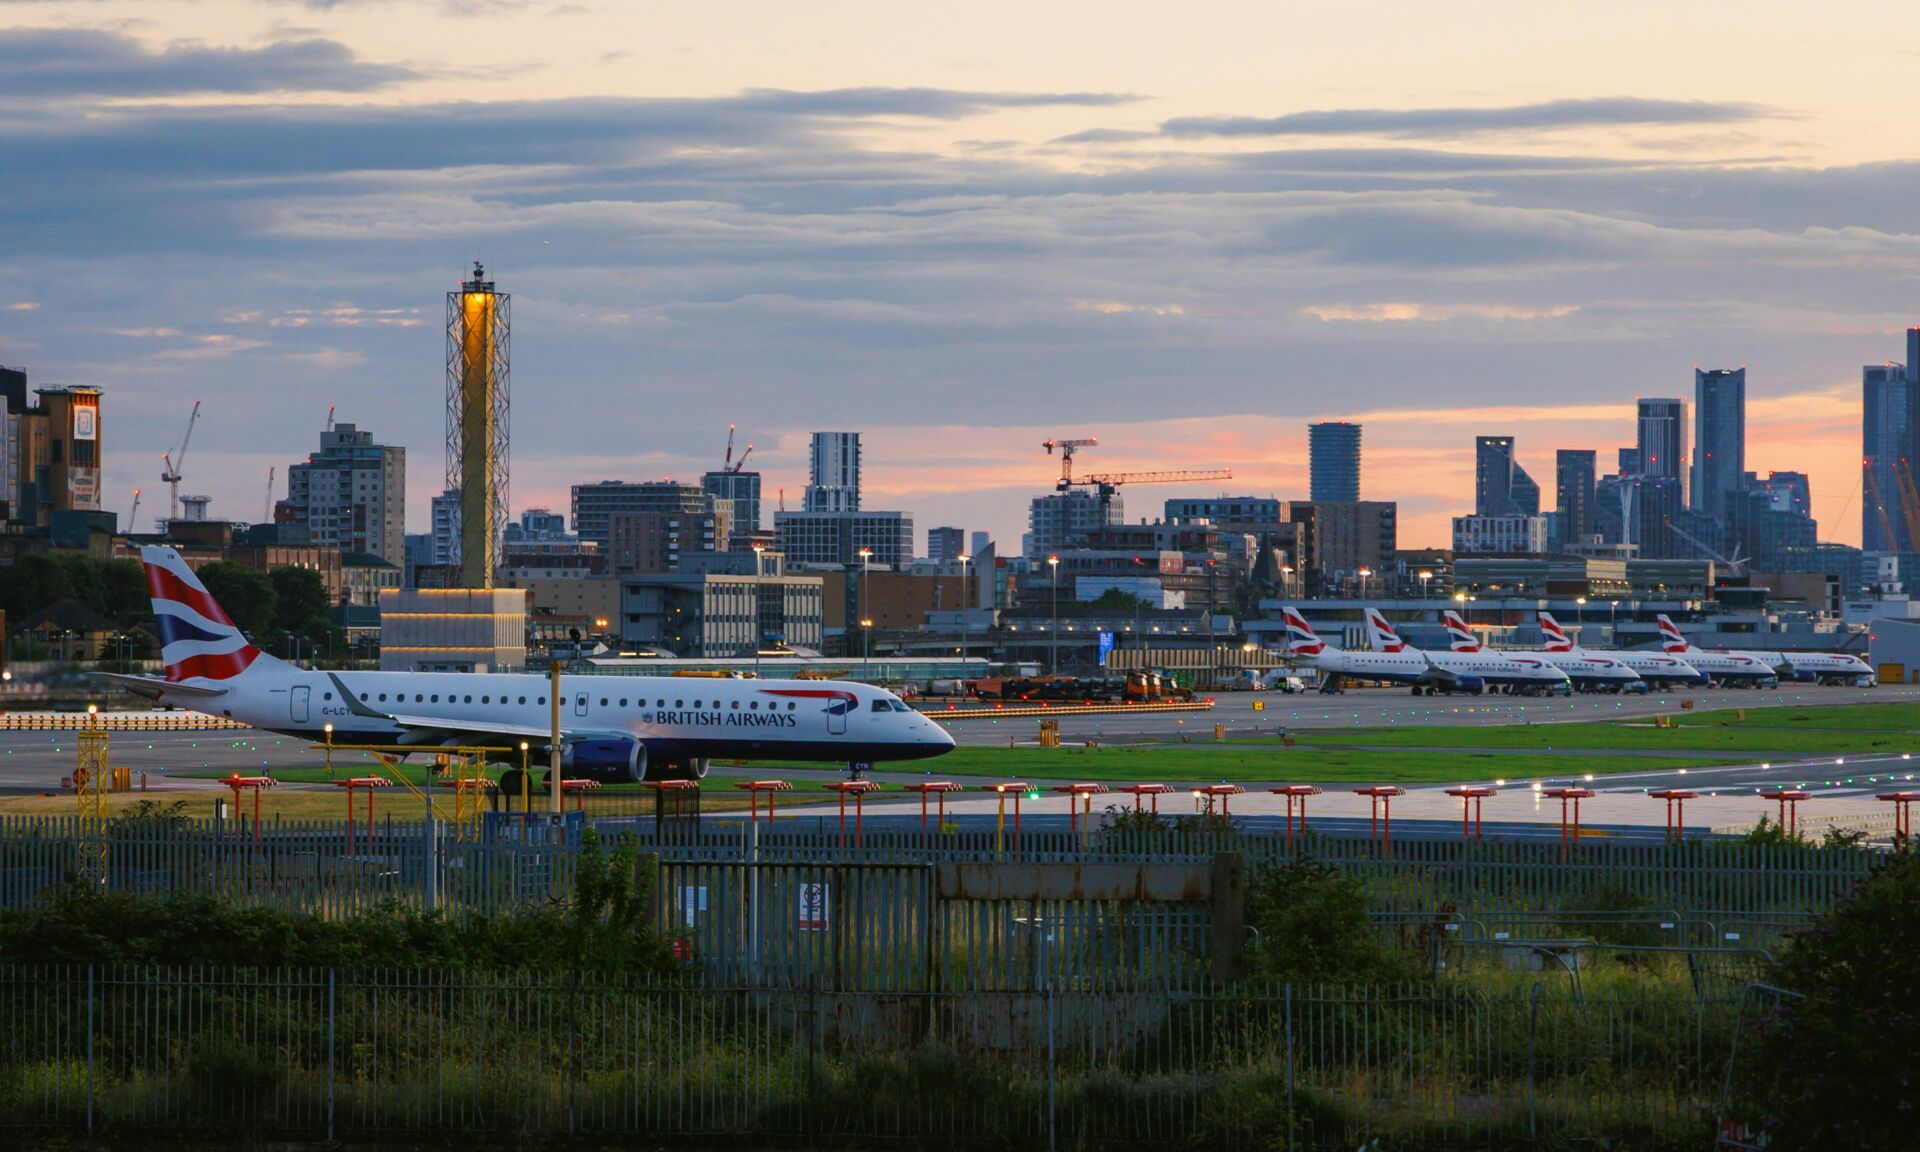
x=532 y=1058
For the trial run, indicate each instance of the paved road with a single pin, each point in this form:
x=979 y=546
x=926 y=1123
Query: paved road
x=1381 y=707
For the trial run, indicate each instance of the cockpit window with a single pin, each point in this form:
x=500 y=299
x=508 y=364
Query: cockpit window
x=899 y=706
x=881 y=706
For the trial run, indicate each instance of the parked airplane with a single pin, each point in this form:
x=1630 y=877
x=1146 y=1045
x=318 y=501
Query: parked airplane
x=1734 y=669
x=1522 y=674
x=613 y=729
x=1656 y=668
x=1589 y=671
x=1338 y=665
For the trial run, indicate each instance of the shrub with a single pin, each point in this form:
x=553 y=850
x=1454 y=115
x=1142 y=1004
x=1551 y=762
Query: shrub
x=1836 y=1070
x=1312 y=927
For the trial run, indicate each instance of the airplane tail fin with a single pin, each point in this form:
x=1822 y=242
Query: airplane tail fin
x=1555 y=636
x=1461 y=636
x=1671 y=638
x=1301 y=638
x=197 y=640
x=1385 y=639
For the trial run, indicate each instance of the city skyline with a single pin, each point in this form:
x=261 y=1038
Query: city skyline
x=921 y=228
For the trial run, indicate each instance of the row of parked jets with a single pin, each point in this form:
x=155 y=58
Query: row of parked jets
x=1560 y=666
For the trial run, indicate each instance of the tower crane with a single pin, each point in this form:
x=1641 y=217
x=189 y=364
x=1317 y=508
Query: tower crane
x=1887 y=537
x=1909 y=498
x=729 y=465
x=266 y=511
x=133 y=517
x=173 y=460
x=1108 y=481
x=1067 y=447
x=1736 y=565
x=329 y=417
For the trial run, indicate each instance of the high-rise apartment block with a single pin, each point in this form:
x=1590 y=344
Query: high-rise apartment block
x=1574 y=477
x=1888 y=416
x=833 y=475
x=1662 y=450
x=1333 y=461
x=1501 y=487
x=1719 y=440
x=946 y=544
x=350 y=495
x=595 y=505
x=742 y=491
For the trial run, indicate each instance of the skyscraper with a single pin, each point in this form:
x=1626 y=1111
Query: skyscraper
x=833 y=483
x=1719 y=439
x=1663 y=438
x=1501 y=487
x=1575 y=471
x=1886 y=451
x=743 y=490
x=1333 y=461
x=945 y=544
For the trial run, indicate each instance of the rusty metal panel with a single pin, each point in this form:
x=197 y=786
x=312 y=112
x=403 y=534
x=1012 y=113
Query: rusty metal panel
x=1169 y=883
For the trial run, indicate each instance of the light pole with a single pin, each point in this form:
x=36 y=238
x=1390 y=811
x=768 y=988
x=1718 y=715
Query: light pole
x=966 y=599
x=758 y=639
x=1053 y=632
x=860 y=605
x=1364 y=574
x=1424 y=577
x=1613 y=636
x=1286 y=580
x=329 y=750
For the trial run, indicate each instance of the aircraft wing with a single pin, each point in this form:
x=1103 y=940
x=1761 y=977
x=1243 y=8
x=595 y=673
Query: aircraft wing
x=1438 y=676
x=154 y=688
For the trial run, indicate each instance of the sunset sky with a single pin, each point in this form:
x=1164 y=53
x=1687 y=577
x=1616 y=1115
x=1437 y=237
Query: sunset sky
x=1188 y=229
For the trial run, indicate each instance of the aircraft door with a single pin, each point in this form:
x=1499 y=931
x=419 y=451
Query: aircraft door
x=580 y=704
x=837 y=715
x=297 y=703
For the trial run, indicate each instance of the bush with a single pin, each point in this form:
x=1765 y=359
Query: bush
x=1836 y=1070
x=1312 y=927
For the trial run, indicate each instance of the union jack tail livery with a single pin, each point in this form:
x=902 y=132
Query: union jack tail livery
x=1462 y=636
x=1385 y=639
x=1301 y=640
x=1555 y=636
x=197 y=640
x=1670 y=636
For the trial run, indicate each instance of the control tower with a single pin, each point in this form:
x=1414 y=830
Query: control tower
x=477 y=411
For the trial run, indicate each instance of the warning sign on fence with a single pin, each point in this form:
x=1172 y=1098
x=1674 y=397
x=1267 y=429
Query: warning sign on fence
x=813 y=907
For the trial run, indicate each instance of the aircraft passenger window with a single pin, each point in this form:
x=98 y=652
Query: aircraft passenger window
x=603 y=701
x=679 y=703
x=383 y=697
x=736 y=703
x=696 y=703
x=790 y=705
x=523 y=699
x=419 y=699
x=487 y=699
x=329 y=696
x=436 y=698
x=543 y=701
x=880 y=706
x=752 y=704
x=467 y=700
x=623 y=701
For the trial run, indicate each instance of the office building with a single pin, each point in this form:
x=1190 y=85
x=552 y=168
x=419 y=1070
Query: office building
x=833 y=474
x=1501 y=487
x=1629 y=462
x=445 y=534
x=1062 y=520
x=945 y=544
x=1663 y=439
x=595 y=505
x=1887 y=415
x=742 y=491
x=979 y=543
x=1719 y=440
x=722 y=615
x=53 y=451
x=1499 y=534
x=1228 y=513
x=836 y=538
x=1333 y=461
x=1337 y=538
x=1574 y=476
x=350 y=495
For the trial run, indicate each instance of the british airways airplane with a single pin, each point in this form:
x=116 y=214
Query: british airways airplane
x=1656 y=668
x=1516 y=673
x=1727 y=668
x=615 y=729
x=1589 y=671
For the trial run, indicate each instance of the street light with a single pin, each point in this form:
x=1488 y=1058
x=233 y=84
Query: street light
x=329 y=729
x=966 y=598
x=1424 y=577
x=1364 y=573
x=1053 y=636
x=860 y=604
x=1612 y=634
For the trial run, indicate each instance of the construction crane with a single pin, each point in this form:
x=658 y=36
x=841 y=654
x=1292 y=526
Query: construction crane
x=133 y=517
x=173 y=461
x=1066 y=457
x=1108 y=481
x=329 y=417
x=731 y=466
x=266 y=511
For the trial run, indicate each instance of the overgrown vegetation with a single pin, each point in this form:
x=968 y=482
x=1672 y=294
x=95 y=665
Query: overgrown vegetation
x=1311 y=926
x=604 y=927
x=1769 y=831
x=1835 y=1067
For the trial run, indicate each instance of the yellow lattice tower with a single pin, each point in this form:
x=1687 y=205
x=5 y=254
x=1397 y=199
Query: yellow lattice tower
x=90 y=783
x=469 y=773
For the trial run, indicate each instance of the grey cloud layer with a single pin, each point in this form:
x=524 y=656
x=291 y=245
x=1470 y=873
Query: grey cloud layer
x=679 y=264
x=66 y=62
x=1446 y=122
